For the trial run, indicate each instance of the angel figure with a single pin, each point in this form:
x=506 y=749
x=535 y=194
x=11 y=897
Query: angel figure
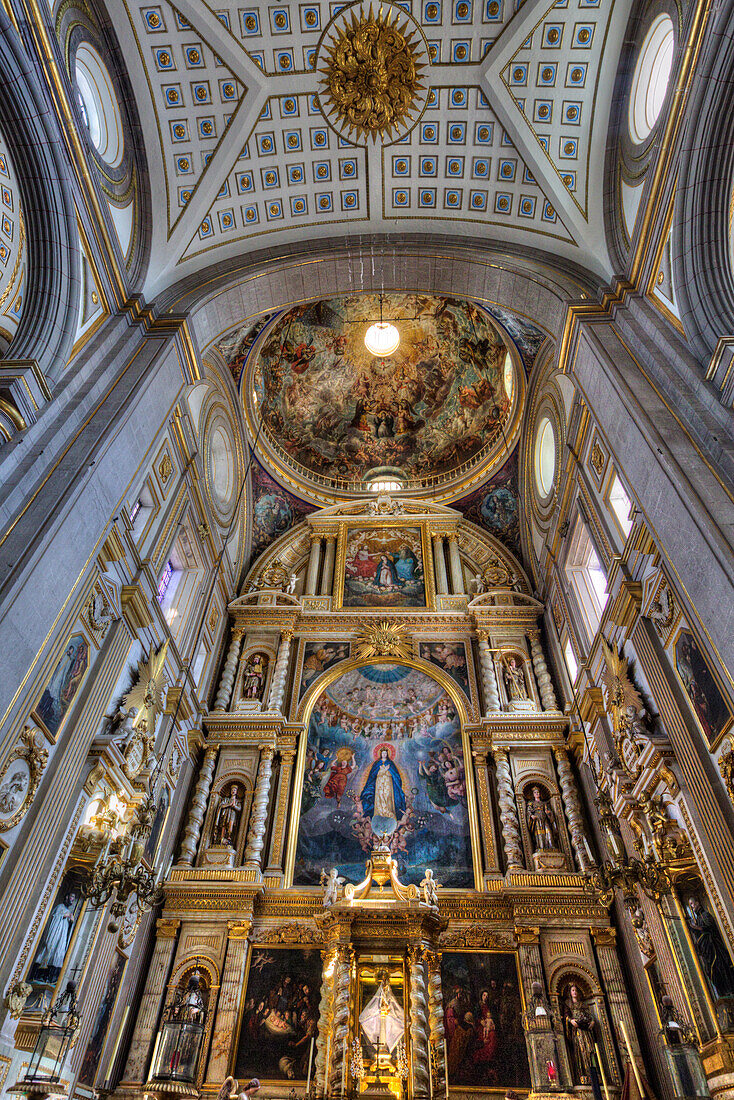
x=662 y=611
x=331 y=881
x=292 y=584
x=429 y=886
x=230 y=1090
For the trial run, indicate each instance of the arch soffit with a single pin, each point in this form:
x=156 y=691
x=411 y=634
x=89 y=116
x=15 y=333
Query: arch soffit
x=566 y=970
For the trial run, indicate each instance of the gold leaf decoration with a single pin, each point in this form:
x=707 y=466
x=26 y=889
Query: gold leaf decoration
x=383 y=640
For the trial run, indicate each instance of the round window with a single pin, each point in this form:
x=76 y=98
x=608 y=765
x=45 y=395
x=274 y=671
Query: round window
x=652 y=73
x=98 y=104
x=545 y=456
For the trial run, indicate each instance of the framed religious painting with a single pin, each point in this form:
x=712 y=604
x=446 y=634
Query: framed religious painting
x=483 y=1014
x=704 y=694
x=384 y=566
x=318 y=657
x=451 y=657
x=61 y=690
x=280 y=1014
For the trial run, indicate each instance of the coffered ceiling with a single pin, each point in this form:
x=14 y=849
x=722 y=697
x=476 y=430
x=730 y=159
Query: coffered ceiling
x=509 y=146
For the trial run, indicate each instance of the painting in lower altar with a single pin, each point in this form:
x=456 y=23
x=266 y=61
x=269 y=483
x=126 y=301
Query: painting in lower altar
x=383 y=567
x=708 y=703
x=318 y=657
x=384 y=755
x=485 y=1041
x=449 y=656
x=281 y=1014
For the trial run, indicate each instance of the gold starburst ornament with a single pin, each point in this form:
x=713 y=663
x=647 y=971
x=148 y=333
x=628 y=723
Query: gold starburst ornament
x=383 y=640
x=370 y=68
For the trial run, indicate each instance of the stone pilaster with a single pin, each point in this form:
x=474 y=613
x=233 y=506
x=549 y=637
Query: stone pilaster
x=419 y=1024
x=277 y=843
x=542 y=676
x=150 y=1005
x=435 y=1024
x=226 y=682
x=508 y=812
x=233 y=980
x=572 y=806
x=197 y=809
x=439 y=561
x=489 y=679
x=259 y=811
x=485 y=810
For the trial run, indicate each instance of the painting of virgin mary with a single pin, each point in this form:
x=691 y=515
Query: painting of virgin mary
x=383 y=797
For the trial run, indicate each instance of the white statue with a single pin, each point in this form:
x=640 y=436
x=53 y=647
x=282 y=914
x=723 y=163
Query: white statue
x=292 y=584
x=477 y=587
x=331 y=881
x=429 y=886
x=230 y=1090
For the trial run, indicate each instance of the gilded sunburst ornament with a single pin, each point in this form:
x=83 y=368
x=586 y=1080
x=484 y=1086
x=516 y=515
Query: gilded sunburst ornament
x=383 y=640
x=370 y=65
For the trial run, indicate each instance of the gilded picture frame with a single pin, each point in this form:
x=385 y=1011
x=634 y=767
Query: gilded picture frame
x=397 y=532
x=701 y=686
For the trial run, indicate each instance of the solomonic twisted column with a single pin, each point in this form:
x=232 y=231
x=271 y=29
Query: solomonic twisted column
x=572 y=806
x=277 y=687
x=508 y=812
x=323 y=1044
x=340 y=1020
x=259 y=812
x=489 y=680
x=435 y=1022
x=419 y=1024
x=542 y=676
x=195 y=820
x=226 y=682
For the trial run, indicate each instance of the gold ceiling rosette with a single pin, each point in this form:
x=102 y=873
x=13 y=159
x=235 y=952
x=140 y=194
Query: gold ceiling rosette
x=371 y=73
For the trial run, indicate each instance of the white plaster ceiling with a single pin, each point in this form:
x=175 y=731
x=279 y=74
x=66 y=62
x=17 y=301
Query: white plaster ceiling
x=510 y=147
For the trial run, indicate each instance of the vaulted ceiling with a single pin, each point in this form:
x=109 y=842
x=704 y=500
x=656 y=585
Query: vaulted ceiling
x=509 y=146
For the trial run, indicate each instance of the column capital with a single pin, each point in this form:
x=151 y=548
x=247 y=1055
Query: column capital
x=286 y=635
x=534 y=634
x=560 y=752
x=315 y=537
x=166 y=928
x=604 y=937
x=238 y=929
x=500 y=754
x=482 y=635
x=267 y=752
x=330 y=536
x=453 y=536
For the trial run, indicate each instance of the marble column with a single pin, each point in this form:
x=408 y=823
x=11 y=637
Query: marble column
x=435 y=1024
x=197 y=809
x=230 y=995
x=442 y=584
x=327 y=580
x=275 y=857
x=489 y=679
x=229 y=671
x=419 y=1026
x=280 y=672
x=542 y=676
x=508 y=812
x=313 y=565
x=323 y=1046
x=150 y=1003
x=259 y=811
x=457 y=577
x=485 y=810
x=340 y=1019
x=572 y=806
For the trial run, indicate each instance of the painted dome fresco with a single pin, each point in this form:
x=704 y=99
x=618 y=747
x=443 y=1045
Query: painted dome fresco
x=439 y=407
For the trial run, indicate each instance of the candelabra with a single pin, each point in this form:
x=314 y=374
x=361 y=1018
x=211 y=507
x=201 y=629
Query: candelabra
x=621 y=872
x=120 y=872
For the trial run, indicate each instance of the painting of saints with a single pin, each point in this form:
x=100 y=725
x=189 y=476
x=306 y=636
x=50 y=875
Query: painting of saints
x=451 y=657
x=383 y=797
x=384 y=568
x=90 y=1063
x=707 y=701
x=340 y=771
x=54 y=943
x=709 y=945
x=64 y=684
x=318 y=657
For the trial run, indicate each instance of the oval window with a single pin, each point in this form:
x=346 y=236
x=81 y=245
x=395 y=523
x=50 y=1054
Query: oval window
x=98 y=104
x=652 y=73
x=545 y=456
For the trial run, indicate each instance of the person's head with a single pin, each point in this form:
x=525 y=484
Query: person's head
x=536 y=794
x=574 y=992
x=71 y=899
x=384 y=754
x=484 y=996
x=694 y=904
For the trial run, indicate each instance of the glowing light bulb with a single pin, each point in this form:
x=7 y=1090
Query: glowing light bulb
x=381 y=338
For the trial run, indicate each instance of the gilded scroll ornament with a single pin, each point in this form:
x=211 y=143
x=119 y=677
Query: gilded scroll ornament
x=20 y=777
x=371 y=82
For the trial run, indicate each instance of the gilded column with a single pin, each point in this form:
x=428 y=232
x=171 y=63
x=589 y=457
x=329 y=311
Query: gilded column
x=435 y=1023
x=572 y=806
x=418 y=1024
x=150 y=1003
x=195 y=820
x=325 y=1013
x=485 y=809
x=340 y=1018
x=457 y=577
x=233 y=980
x=275 y=858
x=226 y=682
x=442 y=584
x=542 y=676
x=259 y=811
x=489 y=679
x=277 y=687
x=508 y=812
x=327 y=580
x=313 y=565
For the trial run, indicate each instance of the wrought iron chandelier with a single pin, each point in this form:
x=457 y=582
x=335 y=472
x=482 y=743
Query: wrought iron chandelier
x=622 y=872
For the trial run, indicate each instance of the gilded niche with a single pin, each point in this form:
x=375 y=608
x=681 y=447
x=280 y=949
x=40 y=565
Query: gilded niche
x=371 y=74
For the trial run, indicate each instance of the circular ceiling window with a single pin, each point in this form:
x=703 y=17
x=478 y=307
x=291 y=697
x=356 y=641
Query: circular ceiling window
x=652 y=73
x=545 y=456
x=98 y=104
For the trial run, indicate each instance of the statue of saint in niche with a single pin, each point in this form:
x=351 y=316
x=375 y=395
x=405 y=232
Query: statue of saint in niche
x=253 y=680
x=542 y=824
x=515 y=681
x=228 y=817
x=712 y=953
x=579 y=1026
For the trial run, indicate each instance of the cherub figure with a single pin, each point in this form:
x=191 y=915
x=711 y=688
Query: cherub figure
x=230 y=1090
x=430 y=887
x=331 y=881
